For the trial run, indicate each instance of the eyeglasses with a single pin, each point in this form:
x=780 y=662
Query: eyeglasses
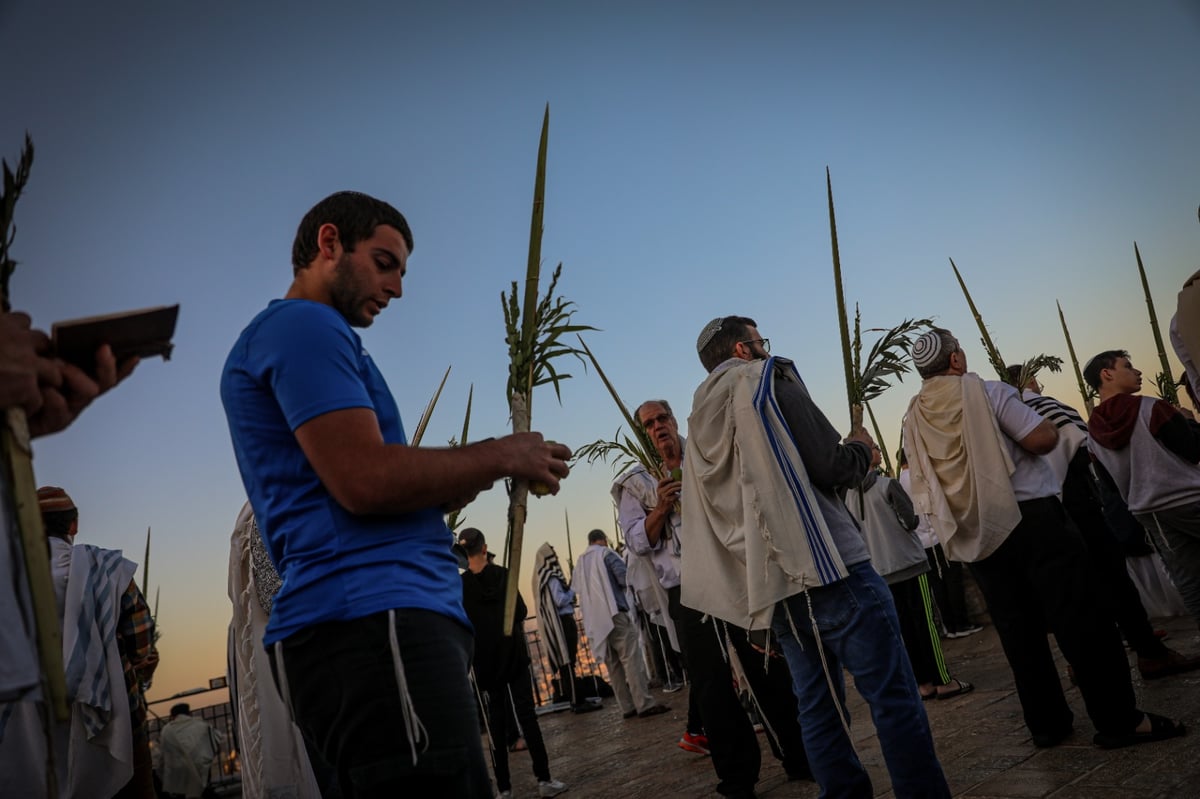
x=765 y=342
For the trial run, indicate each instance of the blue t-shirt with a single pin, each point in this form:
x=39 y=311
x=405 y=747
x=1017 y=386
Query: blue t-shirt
x=295 y=361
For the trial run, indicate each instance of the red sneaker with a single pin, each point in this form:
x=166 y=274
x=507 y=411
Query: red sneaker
x=694 y=743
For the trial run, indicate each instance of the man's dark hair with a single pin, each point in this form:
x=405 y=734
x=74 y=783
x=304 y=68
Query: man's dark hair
x=1014 y=374
x=637 y=414
x=57 y=523
x=472 y=541
x=182 y=709
x=1098 y=363
x=720 y=346
x=354 y=214
x=596 y=536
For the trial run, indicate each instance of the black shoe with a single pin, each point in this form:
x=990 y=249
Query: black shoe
x=1045 y=740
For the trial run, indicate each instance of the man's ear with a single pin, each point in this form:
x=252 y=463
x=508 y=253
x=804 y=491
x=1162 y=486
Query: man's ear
x=329 y=241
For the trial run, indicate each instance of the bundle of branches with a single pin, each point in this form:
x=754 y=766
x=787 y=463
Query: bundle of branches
x=533 y=331
x=1029 y=368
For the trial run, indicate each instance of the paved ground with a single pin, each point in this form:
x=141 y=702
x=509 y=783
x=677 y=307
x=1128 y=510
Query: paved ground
x=982 y=742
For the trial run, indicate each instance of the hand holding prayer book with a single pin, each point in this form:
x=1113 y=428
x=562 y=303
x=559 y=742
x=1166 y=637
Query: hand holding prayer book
x=142 y=333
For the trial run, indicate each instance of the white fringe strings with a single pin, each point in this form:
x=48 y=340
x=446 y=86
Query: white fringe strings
x=413 y=728
x=843 y=714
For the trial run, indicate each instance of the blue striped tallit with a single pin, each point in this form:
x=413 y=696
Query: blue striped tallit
x=98 y=579
x=820 y=543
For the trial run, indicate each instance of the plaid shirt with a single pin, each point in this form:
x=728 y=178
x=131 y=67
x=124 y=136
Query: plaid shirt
x=135 y=641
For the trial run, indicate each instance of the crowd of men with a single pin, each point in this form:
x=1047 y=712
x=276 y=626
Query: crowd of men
x=766 y=533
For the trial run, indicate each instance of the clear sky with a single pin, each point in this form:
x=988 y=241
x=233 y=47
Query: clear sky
x=179 y=143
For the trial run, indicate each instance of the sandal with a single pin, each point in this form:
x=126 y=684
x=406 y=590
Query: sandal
x=1161 y=728
x=964 y=687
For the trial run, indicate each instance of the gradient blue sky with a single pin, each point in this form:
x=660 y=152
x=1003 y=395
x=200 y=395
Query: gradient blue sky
x=179 y=143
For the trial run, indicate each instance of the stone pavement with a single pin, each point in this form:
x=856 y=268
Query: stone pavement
x=981 y=739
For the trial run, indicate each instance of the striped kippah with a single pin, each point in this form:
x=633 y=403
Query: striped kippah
x=926 y=349
x=52 y=499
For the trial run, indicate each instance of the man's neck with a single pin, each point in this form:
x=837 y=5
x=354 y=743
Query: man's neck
x=1105 y=393
x=672 y=455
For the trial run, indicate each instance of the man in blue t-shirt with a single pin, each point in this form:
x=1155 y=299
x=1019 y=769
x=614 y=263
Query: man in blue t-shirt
x=368 y=639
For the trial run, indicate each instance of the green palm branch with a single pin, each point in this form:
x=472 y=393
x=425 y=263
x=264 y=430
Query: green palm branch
x=843 y=323
x=454 y=520
x=1085 y=391
x=625 y=451
x=1029 y=368
x=423 y=422
x=16 y=469
x=1163 y=381
x=14 y=184
x=888 y=358
x=534 y=331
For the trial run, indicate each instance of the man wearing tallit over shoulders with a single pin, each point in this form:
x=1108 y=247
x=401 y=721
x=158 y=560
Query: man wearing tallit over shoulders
x=770 y=544
x=977 y=469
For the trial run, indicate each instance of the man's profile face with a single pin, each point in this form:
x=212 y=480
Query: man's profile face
x=366 y=280
x=659 y=424
x=1124 y=378
x=754 y=344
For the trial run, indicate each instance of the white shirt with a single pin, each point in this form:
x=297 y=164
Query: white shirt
x=1033 y=477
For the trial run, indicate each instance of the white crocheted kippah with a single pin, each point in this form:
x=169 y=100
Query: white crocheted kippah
x=706 y=335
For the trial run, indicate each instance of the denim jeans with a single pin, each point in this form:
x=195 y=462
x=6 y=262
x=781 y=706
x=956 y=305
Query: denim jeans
x=856 y=621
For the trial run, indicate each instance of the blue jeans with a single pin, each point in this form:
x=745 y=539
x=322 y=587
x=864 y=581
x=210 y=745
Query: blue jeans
x=856 y=621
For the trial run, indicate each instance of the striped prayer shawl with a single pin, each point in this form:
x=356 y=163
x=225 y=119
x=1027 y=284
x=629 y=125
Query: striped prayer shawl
x=98 y=579
x=1061 y=415
x=754 y=533
x=546 y=568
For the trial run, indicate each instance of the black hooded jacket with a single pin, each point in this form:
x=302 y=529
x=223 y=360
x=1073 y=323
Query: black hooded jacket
x=498 y=658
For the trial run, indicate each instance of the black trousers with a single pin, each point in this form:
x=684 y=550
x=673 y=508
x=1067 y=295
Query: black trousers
x=914 y=609
x=499 y=711
x=771 y=682
x=566 y=672
x=344 y=695
x=1038 y=579
x=735 y=754
x=1118 y=595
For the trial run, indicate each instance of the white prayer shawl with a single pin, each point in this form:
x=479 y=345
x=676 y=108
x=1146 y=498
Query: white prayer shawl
x=643 y=583
x=596 y=598
x=643 y=486
x=94 y=749
x=188 y=746
x=953 y=424
x=101 y=733
x=274 y=762
x=546 y=568
x=753 y=531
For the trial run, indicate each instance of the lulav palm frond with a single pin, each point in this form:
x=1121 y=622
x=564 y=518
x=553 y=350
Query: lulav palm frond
x=888 y=358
